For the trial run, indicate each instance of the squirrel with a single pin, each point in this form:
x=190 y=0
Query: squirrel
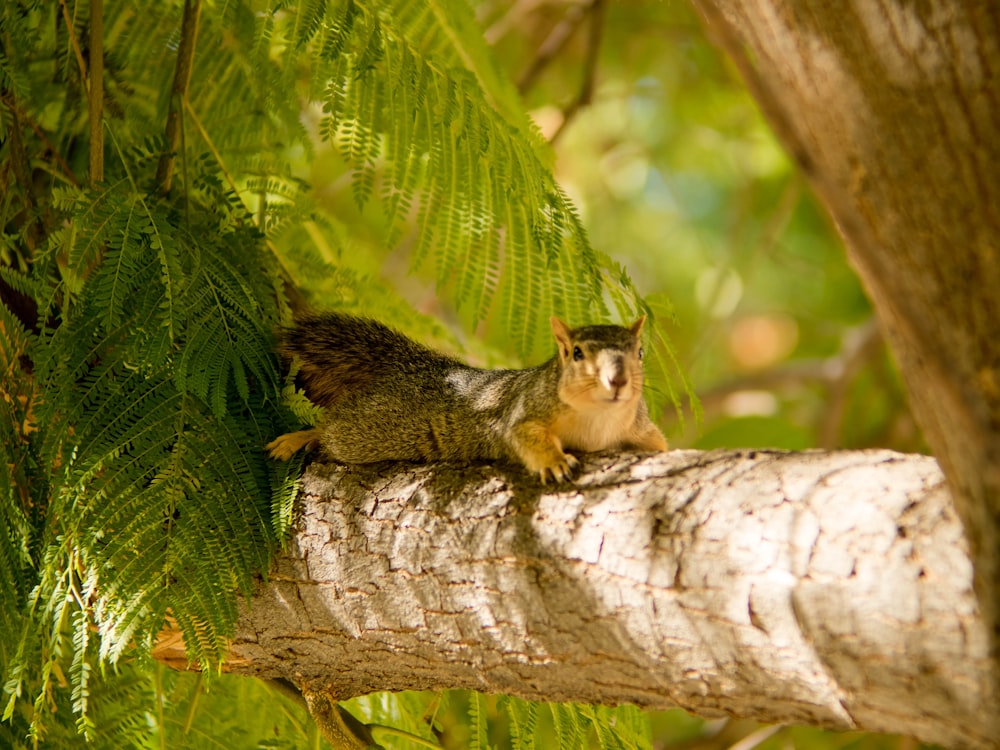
x=389 y=398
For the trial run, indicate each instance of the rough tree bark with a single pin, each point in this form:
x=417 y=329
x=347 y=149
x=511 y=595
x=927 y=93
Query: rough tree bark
x=833 y=589
x=892 y=110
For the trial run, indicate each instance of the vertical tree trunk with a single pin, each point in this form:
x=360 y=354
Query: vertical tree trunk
x=892 y=109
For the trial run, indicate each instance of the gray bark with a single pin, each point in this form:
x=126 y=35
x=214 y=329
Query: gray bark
x=831 y=589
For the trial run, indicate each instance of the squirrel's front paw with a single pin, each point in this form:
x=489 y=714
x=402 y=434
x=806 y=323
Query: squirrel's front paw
x=541 y=452
x=560 y=470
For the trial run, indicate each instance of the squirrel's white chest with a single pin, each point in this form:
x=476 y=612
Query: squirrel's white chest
x=596 y=430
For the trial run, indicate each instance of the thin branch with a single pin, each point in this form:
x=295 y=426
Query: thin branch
x=586 y=92
x=552 y=45
x=196 y=121
x=753 y=740
x=75 y=44
x=339 y=727
x=834 y=373
x=773 y=229
x=513 y=18
x=178 y=94
x=860 y=346
x=95 y=93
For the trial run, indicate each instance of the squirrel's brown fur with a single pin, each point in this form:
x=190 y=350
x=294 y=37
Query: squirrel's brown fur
x=390 y=398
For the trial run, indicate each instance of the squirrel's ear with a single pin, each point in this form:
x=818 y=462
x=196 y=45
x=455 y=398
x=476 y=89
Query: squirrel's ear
x=636 y=328
x=564 y=336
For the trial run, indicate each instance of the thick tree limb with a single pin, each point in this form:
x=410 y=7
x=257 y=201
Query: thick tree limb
x=833 y=589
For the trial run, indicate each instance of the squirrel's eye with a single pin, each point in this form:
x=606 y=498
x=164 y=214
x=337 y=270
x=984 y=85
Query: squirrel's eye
x=577 y=353
x=640 y=352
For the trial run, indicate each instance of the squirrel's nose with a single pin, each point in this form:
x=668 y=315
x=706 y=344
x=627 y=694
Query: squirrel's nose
x=616 y=379
x=620 y=380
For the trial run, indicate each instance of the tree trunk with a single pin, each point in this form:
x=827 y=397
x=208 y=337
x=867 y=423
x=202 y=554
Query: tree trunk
x=892 y=109
x=833 y=589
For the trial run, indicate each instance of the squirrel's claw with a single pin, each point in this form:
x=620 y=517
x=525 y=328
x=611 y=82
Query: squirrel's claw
x=560 y=471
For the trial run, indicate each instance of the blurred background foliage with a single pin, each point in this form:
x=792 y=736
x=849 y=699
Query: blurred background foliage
x=677 y=178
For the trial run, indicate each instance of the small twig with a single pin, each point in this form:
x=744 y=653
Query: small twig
x=552 y=45
x=773 y=229
x=95 y=93
x=857 y=347
x=753 y=739
x=416 y=739
x=586 y=92
x=178 y=94
x=510 y=20
x=75 y=44
x=196 y=121
x=860 y=345
x=793 y=373
x=835 y=373
x=339 y=727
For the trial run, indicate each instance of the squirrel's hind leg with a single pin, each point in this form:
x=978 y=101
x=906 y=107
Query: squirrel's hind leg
x=284 y=446
x=649 y=439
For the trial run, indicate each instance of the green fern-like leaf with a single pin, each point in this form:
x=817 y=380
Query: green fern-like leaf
x=446 y=126
x=477 y=723
x=568 y=724
x=523 y=718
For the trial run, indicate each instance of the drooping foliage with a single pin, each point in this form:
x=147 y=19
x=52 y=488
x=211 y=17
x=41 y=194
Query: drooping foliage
x=139 y=304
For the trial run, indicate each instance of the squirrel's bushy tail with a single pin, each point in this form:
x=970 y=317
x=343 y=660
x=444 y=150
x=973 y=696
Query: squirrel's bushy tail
x=342 y=354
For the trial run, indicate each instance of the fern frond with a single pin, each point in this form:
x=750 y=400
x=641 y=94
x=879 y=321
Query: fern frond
x=447 y=31
x=80 y=673
x=523 y=718
x=224 y=345
x=477 y=722
x=12 y=80
x=19 y=495
x=568 y=724
x=450 y=150
x=309 y=19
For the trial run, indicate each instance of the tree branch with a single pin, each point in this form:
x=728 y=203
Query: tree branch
x=178 y=94
x=95 y=92
x=552 y=45
x=835 y=373
x=339 y=727
x=586 y=93
x=828 y=588
x=75 y=44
